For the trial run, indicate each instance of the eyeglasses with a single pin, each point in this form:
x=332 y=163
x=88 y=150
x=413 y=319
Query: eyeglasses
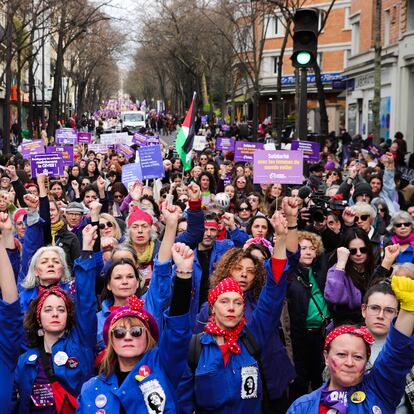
x=398 y=225
x=374 y=310
x=243 y=209
x=135 y=332
x=107 y=224
x=364 y=217
x=361 y=250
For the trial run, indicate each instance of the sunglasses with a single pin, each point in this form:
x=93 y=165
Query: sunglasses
x=381 y=210
x=104 y=225
x=118 y=196
x=364 y=217
x=361 y=250
x=243 y=209
x=398 y=225
x=135 y=332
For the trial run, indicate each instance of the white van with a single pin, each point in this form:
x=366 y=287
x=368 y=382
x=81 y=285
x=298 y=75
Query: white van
x=132 y=120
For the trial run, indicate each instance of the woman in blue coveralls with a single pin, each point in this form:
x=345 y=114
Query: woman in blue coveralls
x=138 y=373
x=10 y=317
x=218 y=383
x=347 y=350
x=50 y=374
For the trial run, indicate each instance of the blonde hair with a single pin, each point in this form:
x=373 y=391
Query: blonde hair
x=108 y=363
x=404 y=269
x=31 y=280
x=364 y=208
x=118 y=233
x=314 y=239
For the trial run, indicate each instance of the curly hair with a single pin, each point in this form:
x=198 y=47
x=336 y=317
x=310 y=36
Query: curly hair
x=31 y=325
x=314 y=239
x=229 y=260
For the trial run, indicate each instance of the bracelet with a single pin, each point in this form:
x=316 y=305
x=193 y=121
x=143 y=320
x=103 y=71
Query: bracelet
x=292 y=227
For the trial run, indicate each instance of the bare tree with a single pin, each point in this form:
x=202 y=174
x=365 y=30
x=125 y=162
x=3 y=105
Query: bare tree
x=376 y=102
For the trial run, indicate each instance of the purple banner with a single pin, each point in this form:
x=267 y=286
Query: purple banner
x=278 y=167
x=126 y=150
x=310 y=149
x=66 y=151
x=84 y=137
x=225 y=128
x=150 y=159
x=244 y=151
x=66 y=136
x=49 y=164
x=225 y=144
x=29 y=148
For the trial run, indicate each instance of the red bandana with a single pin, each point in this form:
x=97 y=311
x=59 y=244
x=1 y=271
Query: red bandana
x=361 y=332
x=228 y=284
x=135 y=308
x=138 y=214
x=44 y=293
x=230 y=336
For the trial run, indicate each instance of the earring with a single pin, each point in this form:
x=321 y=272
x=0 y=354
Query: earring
x=40 y=332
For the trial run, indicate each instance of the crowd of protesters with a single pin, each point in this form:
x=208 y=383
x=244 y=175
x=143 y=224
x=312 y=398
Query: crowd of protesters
x=203 y=291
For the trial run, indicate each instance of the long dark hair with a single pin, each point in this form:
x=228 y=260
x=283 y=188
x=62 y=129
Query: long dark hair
x=358 y=278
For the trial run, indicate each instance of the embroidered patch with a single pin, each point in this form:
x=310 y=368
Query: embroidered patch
x=154 y=396
x=42 y=395
x=249 y=382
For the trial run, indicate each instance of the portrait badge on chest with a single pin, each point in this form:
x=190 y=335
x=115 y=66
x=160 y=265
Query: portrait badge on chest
x=249 y=382
x=154 y=396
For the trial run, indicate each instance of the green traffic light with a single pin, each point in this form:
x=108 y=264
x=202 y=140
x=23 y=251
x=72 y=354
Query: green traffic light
x=303 y=58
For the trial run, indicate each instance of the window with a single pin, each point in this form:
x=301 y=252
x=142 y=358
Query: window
x=347 y=54
x=355 y=38
x=274 y=27
x=347 y=25
x=387 y=22
x=410 y=15
x=275 y=61
x=319 y=59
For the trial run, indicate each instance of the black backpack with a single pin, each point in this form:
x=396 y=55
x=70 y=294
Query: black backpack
x=249 y=342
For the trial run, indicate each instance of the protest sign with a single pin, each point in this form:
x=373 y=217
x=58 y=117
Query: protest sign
x=150 y=159
x=270 y=146
x=116 y=138
x=407 y=174
x=225 y=128
x=244 y=151
x=199 y=143
x=65 y=136
x=29 y=148
x=66 y=151
x=139 y=139
x=310 y=149
x=84 y=137
x=203 y=119
x=225 y=144
x=130 y=174
x=98 y=148
x=126 y=150
x=278 y=167
x=49 y=164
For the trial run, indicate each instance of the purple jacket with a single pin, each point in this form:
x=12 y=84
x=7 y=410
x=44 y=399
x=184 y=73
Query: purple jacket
x=339 y=289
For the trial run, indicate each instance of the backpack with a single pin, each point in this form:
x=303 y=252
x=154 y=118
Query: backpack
x=249 y=342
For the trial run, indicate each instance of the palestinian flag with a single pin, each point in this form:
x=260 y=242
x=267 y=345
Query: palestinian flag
x=185 y=136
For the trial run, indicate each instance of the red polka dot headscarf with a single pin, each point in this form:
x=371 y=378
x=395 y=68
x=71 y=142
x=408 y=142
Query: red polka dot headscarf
x=44 y=293
x=361 y=332
x=229 y=284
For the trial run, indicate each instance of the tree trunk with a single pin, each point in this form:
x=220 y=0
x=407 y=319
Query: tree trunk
x=204 y=93
x=81 y=97
x=256 y=97
x=376 y=103
x=8 y=75
x=30 y=117
x=321 y=99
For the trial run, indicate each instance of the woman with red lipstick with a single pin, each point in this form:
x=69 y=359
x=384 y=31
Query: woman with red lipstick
x=60 y=359
x=227 y=378
x=347 y=350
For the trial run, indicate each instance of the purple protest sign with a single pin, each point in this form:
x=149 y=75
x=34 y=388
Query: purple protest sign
x=130 y=174
x=310 y=149
x=225 y=128
x=66 y=136
x=153 y=140
x=150 y=159
x=225 y=144
x=49 y=164
x=244 y=151
x=29 y=148
x=66 y=151
x=84 y=137
x=139 y=139
x=278 y=167
x=126 y=150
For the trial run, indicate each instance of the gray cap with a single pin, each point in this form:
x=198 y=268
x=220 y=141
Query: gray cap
x=75 y=207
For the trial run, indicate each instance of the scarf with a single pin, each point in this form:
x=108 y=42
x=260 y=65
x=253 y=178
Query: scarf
x=146 y=256
x=230 y=335
x=55 y=229
x=336 y=399
x=400 y=240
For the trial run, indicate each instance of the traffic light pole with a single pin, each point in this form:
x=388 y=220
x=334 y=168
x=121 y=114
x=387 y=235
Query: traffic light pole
x=303 y=107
